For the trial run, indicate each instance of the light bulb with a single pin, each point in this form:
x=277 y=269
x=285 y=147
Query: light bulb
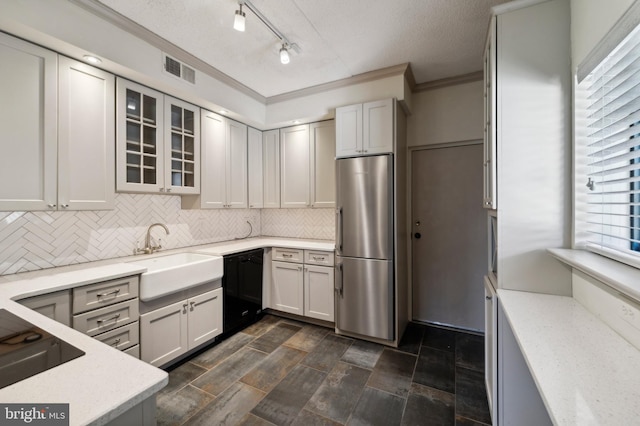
x=284 y=55
x=92 y=59
x=238 y=22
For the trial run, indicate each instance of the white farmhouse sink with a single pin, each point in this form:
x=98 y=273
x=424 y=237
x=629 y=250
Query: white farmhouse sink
x=175 y=272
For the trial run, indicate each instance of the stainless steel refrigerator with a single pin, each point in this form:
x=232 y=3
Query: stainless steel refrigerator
x=364 y=282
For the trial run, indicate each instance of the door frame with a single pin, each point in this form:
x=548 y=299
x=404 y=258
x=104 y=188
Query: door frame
x=409 y=229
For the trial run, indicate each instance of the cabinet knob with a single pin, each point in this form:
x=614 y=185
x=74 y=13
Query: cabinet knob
x=168 y=189
x=64 y=206
x=161 y=189
x=488 y=297
x=51 y=206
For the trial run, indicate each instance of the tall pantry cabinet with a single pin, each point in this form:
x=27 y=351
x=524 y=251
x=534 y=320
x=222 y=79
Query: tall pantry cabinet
x=527 y=177
x=56 y=137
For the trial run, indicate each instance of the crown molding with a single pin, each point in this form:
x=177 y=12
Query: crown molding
x=107 y=14
x=449 y=81
x=359 y=78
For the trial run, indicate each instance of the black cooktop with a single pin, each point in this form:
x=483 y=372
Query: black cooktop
x=26 y=350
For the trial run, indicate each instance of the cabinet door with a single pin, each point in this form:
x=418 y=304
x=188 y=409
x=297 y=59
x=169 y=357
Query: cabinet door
x=377 y=125
x=214 y=175
x=294 y=167
x=86 y=139
x=236 y=165
x=491 y=346
x=139 y=138
x=255 y=180
x=287 y=287
x=164 y=333
x=323 y=164
x=490 y=166
x=271 y=171
x=318 y=292
x=28 y=126
x=205 y=317
x=348 y=130
x=181 y=147
x=56 y=306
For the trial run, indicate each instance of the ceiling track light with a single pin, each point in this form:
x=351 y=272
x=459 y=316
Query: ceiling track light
x=284 y=55
x=239 y=20
x=287 y=46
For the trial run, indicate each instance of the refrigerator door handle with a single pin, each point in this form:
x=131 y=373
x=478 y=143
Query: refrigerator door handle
x=339 y=279
x=339 y=227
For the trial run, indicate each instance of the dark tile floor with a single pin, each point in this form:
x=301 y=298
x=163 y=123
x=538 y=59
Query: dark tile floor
x=282 y=372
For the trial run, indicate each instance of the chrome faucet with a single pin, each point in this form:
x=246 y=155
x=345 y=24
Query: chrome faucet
x=148 y=248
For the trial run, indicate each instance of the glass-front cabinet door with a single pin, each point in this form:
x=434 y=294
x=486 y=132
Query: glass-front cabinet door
x=139 y=138
x=158 y=142
x=182 y=152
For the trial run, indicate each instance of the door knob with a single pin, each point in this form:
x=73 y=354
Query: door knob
x=417 y=235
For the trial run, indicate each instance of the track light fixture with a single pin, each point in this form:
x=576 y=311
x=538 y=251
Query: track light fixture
x=239 y=20
x=284 y=54
x=239 y=24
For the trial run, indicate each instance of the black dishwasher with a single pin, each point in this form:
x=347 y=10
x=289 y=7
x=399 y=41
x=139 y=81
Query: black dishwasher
x=242 y=283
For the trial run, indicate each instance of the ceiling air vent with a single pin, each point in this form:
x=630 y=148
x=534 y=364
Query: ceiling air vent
x=180 y=70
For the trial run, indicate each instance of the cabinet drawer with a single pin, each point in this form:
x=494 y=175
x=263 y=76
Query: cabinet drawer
x=323 y=258
x=122 y=337
x=134 y=351
x=288 y=255
x=104 y=293
x=107 y=318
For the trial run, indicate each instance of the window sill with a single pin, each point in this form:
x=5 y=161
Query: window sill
x=623 y=278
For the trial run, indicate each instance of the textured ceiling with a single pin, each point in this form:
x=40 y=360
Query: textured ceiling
x=338 y=38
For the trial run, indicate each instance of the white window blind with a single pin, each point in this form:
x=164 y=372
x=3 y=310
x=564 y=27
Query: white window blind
x=612 y=149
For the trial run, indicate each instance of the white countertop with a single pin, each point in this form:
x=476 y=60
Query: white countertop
x=104 y=382
x=585 y=372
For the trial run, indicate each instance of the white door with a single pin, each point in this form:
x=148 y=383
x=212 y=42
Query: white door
x=271 y=169
x=377 y=125
x=205 y=317
x=86 y=140
x=181 y=147
x=254 y=161
x=323 y=164
x=294 y=167
x=236 y=164
x=28 y=126
x=449 y=236
x=213 y=195
x=491 y=346
x=287 y=290
x=349 y=130
x=318 y=292
x=164 y=333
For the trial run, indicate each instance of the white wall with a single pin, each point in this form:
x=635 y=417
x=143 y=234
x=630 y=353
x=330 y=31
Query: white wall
x=590 y=21
x=448 y=114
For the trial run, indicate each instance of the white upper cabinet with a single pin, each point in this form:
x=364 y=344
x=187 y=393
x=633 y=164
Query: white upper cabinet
x=86 y=126
x=224 y=164
x=322 y=163
x=181 y=147
x=56 y=137
x=365 y=129
x=271 y=168
x=489 y=196
x=294 y=166
x=255 y=180
x=158 y=142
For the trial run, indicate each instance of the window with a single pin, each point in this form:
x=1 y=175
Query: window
x=608 y=154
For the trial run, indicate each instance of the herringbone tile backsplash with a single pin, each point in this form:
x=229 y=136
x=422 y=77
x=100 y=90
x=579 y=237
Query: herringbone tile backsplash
x=39 y=240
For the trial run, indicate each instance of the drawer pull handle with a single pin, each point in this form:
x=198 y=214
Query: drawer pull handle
x=113 y=318
x=116 y=343
x=114 y=292
x=286 y=255
x=318 y=258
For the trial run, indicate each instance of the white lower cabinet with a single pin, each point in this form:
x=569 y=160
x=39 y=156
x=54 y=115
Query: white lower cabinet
x=56 y=306
x=491 y=346
x=318 y=292
x=287 y=293
x=302 y=283
x=170 y=331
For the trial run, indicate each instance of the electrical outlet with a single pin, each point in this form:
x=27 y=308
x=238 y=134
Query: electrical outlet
x=630 y=314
